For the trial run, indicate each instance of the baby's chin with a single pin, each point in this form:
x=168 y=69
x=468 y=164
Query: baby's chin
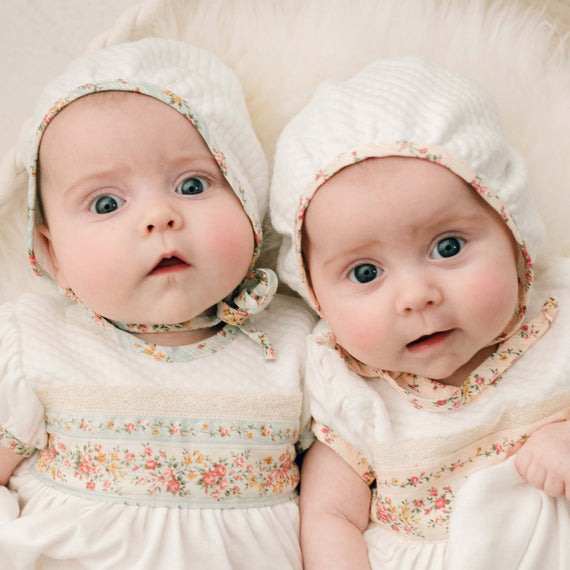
x=448 y=375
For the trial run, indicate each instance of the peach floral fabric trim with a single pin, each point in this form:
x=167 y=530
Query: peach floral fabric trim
x=437 y=397
x=173 y=448
x=414 y=483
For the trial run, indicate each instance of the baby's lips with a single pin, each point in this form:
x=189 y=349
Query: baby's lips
x=169 y=262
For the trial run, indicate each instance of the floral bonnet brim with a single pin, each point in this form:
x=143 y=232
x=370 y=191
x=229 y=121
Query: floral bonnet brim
x=410 y=108
x=200 y=87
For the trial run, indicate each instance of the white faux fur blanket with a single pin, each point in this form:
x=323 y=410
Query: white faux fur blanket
x=281 y=49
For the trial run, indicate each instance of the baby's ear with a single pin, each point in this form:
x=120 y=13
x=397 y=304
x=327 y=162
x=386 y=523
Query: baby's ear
x=45 y=255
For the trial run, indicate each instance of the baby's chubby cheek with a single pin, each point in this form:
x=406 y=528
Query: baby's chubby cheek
x=496 y=301
x=360 y=335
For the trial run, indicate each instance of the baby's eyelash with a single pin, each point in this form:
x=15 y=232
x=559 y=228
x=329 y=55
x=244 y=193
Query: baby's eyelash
x=364 y=273
x=447 y=247
x=105 y=203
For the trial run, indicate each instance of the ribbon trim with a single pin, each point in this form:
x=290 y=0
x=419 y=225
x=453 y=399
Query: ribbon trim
x=251 y=297
x=434 y=396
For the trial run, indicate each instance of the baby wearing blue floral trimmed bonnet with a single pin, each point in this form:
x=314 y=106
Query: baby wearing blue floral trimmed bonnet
x=150 y=401
x=408 y=224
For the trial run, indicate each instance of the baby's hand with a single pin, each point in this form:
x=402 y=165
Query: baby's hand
x=544 y=460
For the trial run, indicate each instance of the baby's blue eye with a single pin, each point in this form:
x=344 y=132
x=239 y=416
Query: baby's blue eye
x=364 y=273
x=447 y=247
x=106 y=204
x=192 y=186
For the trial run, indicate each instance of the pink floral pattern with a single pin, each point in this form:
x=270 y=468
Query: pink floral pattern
x=179 y=462
x=408 y=516
x=14 y=444
x=419 y=504
x=417 y=500
x=346 y=451
x=157 y=428
x=171 y=353
x=220 y=158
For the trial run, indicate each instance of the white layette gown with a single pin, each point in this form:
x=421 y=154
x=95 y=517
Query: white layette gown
x=144 y=457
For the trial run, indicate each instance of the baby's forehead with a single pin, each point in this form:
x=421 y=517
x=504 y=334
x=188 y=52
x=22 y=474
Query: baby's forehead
x=104 y=137
x=68 y=119
x=94 y=109
x=410 y=195
x=105 y=100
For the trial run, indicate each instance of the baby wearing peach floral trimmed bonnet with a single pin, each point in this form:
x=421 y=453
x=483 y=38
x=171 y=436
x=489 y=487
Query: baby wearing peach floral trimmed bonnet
x=408 y=225
x=151 y=414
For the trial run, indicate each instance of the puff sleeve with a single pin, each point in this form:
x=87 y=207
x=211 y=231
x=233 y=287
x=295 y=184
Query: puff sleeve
x=22 y=425
x=349 y=415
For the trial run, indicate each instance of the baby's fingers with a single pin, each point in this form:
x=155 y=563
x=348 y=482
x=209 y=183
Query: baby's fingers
x=535 y=473
x=523 y=460
x=554 y=486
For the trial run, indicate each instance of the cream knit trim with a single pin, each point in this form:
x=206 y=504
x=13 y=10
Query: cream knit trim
x=424 y=451
x=150 y=401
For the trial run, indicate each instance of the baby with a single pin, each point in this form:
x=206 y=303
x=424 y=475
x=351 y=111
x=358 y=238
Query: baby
x=408 y=225
x=153 y=411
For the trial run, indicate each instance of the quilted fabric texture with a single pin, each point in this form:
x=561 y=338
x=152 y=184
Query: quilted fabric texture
x=390 y=101
x=209 y=88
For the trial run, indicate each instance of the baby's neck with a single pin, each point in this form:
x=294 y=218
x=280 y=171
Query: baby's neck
x=462 y=373
x=179 y=338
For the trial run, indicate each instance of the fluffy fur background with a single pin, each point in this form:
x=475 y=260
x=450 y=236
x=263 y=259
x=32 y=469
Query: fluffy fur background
x=281 y=49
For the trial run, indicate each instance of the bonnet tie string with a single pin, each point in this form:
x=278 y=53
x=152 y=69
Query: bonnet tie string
x=251 y=297
x=256 y=292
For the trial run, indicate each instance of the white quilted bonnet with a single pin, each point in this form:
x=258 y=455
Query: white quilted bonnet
x=192 y=81
x=401 y=107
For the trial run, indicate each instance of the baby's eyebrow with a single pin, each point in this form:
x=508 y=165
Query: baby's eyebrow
x=184 y=160
x=444 y=219
x=189 y=158
x=94 y=177
x=441 y=223
x=361 y=249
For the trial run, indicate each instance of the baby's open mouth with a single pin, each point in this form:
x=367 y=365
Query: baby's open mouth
x=429 y=339
x=167 y=264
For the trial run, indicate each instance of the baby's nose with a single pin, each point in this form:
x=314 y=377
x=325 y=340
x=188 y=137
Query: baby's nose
x=418 y=295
